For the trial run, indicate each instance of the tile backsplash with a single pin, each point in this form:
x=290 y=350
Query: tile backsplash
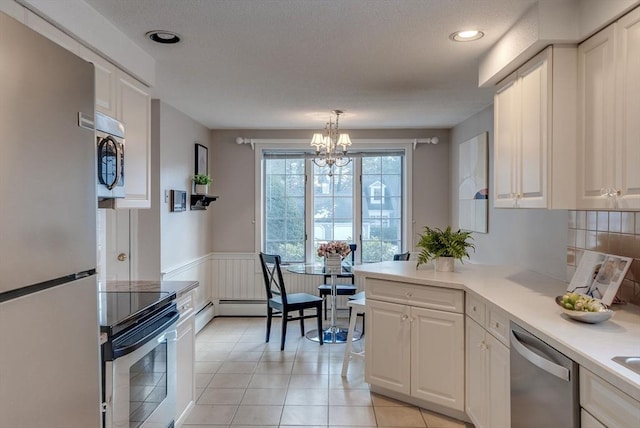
x=611 y=232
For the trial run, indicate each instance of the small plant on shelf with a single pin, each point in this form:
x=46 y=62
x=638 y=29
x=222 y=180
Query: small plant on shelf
x=202 y=179
x=436 y=243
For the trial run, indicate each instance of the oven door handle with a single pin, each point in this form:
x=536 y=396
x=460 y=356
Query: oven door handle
x=128 y=349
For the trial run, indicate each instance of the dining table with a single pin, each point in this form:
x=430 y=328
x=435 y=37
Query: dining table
x=333 y=333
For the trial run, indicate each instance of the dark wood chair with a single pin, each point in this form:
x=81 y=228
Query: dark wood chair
x=401 y=256
x=281 y=302
x=342 y=288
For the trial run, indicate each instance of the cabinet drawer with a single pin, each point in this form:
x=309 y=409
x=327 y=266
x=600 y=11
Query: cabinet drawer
x=475 y=308
x=185 y=305
x=498 y=325
x=606 y=403
x=425 y=296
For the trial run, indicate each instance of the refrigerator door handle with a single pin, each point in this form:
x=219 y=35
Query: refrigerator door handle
x=544 y=364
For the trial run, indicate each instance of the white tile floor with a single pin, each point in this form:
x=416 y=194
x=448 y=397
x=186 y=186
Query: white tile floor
x=243 y=381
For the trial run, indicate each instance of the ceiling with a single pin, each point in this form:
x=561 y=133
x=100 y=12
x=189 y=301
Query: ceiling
x=285 y=64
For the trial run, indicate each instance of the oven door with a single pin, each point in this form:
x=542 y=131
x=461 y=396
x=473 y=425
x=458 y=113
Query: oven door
x=141 y=379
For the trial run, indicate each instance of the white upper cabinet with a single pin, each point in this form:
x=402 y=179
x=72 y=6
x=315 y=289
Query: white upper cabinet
x=134 y=110
x=534 y=144
x=608 y=125
x=121 y=96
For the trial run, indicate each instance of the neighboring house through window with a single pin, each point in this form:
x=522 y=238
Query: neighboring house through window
x=303 y=206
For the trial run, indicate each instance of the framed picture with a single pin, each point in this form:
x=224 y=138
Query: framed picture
x=178 y=200
x=473 y=184
x=202 y=159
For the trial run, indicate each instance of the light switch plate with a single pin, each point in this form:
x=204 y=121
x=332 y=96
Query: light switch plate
x=167 y=196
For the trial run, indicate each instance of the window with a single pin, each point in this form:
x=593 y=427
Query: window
x=363 y=203
x=284 y=212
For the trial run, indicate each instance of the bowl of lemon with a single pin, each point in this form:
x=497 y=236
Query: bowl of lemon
x=584 y=308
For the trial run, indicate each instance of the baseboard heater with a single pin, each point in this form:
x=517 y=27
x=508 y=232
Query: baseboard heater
x=242 y=307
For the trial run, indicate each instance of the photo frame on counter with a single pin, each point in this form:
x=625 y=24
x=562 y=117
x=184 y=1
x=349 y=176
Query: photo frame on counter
x=202 y=159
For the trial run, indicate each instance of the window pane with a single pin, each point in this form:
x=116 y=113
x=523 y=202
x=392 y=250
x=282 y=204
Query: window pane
x=381 y=207
x=333 y=205
x=284 y=208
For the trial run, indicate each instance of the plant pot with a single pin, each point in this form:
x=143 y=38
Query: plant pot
x=202 y=189
x=333 y=263
x=444 y=264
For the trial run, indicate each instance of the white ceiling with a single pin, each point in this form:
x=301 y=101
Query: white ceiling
x=284 y=64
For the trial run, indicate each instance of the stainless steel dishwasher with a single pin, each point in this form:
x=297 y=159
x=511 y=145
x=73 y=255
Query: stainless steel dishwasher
x=544 y=384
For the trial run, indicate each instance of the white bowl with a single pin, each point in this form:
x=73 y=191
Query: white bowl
x=583 y=316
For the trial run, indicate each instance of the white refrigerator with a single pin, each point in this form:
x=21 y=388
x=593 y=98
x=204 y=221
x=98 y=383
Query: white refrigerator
x=49 y=334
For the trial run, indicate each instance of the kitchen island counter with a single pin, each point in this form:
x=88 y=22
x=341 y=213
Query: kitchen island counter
x=528 y=299
x=178 y=287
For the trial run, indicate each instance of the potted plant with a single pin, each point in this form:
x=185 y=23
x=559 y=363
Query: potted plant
x=202 y=182
x=444 y=246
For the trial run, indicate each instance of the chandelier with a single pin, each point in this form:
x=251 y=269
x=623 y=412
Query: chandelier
x=331 y=147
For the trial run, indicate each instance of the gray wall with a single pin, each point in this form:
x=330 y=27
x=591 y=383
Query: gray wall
x=169 y=239
x=535 y=239
x=234 y=180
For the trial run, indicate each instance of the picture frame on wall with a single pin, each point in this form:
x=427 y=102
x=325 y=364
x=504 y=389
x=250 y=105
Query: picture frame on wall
x=473 y=184
x=202 y=160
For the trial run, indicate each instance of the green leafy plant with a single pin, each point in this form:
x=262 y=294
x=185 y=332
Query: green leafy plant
x=443 y=243
x=202 y=179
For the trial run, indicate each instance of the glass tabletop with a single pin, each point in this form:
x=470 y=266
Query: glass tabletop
x=317 y=269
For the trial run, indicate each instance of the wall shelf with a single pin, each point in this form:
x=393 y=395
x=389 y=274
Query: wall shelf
x=201 y=202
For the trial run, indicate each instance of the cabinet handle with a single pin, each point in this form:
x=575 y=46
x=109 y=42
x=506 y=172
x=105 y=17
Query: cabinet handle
x=483 y=346
x=497 y=325
x=474 y=309
x=409 y=295
x=404 y=317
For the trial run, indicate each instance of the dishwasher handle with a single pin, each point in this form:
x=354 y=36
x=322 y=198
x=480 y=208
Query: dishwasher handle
x=546 y=365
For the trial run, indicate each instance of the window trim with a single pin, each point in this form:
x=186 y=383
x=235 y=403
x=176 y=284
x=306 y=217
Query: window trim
x=404 y=145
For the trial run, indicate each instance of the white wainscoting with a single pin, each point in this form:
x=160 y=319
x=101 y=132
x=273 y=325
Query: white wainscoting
x=237 y=280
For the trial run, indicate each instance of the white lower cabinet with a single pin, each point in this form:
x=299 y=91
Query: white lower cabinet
x=604 y=405
x=487 y=382
x=185 y=374
x=412 y=350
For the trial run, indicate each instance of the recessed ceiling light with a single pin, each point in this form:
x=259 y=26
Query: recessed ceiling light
x=466 y=35
x=164 y=37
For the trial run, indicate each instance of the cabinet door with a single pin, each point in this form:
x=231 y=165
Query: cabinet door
x=596 y=145
x=531 y=166
x=134 y=110
x=498 y=382
x=476 y=372
x=185 y=365
x=437 y=357
x=506 y=125
x=105 y=81
x=628 y=110
x=388 y=346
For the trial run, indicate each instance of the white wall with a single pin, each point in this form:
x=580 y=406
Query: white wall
x=535 y=239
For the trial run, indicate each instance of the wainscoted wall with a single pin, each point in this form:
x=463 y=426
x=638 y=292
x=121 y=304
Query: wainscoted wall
x=195 y=270
x=611 y=232
x=237 y=280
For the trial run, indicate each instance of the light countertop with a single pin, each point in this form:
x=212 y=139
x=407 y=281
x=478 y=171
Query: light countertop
x=528 y=299
x=178 y=287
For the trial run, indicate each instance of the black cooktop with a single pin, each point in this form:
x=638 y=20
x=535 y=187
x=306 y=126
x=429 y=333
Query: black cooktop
x=121 y=310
